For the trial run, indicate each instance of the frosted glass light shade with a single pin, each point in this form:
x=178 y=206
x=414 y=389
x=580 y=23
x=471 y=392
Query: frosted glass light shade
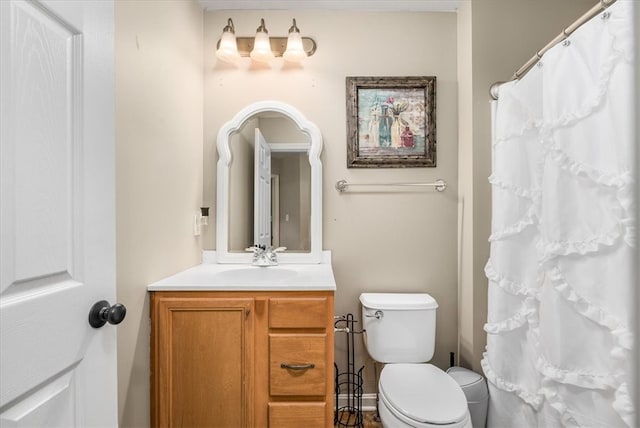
x=261 y=48
x=228 y=50
x=295 y=51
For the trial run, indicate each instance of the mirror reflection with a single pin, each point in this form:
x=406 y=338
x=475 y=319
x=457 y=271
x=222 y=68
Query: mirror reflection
x=269 y=185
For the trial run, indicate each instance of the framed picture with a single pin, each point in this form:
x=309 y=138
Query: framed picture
x=391 y=122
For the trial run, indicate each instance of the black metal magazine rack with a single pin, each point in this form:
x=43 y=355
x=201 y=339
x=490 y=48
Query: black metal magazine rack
x=348 y=383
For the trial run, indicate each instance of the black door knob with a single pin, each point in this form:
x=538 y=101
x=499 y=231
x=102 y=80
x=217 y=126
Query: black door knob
x=102 y=313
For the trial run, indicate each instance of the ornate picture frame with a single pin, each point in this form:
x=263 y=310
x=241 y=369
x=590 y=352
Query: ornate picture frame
x=391 y=122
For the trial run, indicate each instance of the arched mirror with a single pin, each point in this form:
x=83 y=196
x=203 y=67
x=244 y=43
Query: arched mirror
x=269 y=184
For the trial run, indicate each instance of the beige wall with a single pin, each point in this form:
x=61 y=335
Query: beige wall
x=382 y=241
x=636 y=23
x=465 y=187
x=495 y=37
x=304 y=233
x=158 y=59
x=290 y=202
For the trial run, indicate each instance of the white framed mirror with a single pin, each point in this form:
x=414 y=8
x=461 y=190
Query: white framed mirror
x=241 y=214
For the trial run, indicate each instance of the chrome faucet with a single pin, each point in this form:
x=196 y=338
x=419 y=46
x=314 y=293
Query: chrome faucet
x=265 y=255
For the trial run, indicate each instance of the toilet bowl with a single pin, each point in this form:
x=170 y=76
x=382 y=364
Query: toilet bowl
x=399 y=330
x=420 y=396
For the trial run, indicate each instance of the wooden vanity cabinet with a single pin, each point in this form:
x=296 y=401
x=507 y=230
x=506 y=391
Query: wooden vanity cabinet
x=202 y=357
x=242 y=359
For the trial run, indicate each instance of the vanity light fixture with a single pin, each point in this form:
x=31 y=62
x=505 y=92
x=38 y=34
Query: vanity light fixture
x=263 y=48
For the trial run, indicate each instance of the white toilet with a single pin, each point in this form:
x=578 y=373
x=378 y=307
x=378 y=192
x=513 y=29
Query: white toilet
x=400 y=331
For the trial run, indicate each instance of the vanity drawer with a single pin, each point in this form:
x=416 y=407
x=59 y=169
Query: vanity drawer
x=299 y=352
x=296 y=415
x=297 y=312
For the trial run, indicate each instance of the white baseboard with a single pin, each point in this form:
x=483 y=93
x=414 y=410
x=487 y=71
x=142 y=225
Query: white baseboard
x=368 y=401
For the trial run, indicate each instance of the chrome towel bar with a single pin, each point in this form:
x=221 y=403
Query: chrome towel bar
x=440 y=185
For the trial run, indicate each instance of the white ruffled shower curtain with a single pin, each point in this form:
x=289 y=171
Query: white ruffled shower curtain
x=559 y=338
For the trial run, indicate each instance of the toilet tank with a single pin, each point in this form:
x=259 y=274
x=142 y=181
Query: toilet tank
x=399 y=327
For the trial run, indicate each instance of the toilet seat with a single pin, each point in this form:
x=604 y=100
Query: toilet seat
x=422 y=395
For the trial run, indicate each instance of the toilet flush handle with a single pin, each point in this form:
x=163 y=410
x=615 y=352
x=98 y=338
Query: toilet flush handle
x=377 y=315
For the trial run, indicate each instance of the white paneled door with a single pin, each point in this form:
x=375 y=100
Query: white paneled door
x=57 y=214
x=262 y=195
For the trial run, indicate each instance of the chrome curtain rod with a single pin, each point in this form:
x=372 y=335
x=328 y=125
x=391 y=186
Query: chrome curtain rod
x=602 y=5
x=440 y=185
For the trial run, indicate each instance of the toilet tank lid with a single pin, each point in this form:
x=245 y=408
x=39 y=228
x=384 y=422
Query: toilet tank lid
x=402 y=301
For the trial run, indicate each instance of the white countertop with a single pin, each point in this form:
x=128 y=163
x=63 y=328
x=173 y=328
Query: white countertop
x=242 y=277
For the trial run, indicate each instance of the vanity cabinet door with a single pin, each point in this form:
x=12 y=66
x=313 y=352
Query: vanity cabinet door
x=202 y=360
